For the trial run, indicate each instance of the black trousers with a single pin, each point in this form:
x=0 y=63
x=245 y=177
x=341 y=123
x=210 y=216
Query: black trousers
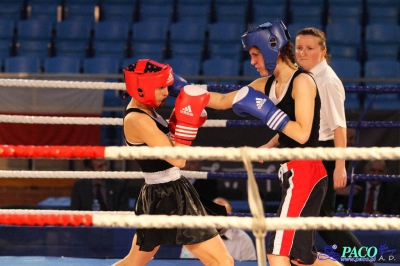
x=339 y=237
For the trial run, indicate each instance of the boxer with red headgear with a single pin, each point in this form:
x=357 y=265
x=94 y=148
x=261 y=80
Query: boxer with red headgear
x=143 y=78
x=166 y=191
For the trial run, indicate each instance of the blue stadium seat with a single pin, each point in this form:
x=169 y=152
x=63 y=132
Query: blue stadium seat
x=81 y=2
x=193 y=12
x=7 y=42
x=101 y=65
x=383 y=14
x=266 y=12
x=187 y=32
x=72 y=38
x=382 y=68
x=118 y=12
x=184 y=66
x=35 y=29
x=156 y=13
x=346 y=68
x=228 y=34
x=34 y=37
x=153 y=51
x=307 y=14
x=352 y=101
x=306 y=11
x=49 y=12
x=225 y=32
x=45 y=2
x=387 y=101
x=220 y=67
x=187 y=38
x=295 y=27
x=120 y=2
x=128 y=61
x=382 y=40
x=147 y=31
x=345 y=36
x=26 y=64
x=350 y=14
x=190 y=50
x=11 y=11
x=40 y=48
x=346 y=3
x=231 y=11
x=234 y=50
x=111 y=38
x=62 y=64
x=81 y=11
x=385 y=11
x=117 y=50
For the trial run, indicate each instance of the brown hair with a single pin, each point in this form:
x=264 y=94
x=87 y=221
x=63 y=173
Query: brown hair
x=320 y=35
x=287 y=52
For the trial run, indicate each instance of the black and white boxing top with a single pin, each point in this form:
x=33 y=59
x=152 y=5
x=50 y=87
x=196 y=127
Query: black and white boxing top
x=286 y=104
x=155 y=170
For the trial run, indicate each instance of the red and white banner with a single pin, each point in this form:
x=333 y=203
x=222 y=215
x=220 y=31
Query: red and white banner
x=50 y=102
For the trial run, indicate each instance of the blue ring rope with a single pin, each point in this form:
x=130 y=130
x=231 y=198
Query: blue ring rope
x=266 y=176
x=365 y=89
x=350 y=124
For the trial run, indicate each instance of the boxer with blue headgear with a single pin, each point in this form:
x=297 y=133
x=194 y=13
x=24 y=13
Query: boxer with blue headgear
x=286 y=99
x=270 y=38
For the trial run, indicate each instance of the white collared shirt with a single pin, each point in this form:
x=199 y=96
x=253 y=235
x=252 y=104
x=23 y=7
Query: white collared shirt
x=238 y=243
x=332 y=95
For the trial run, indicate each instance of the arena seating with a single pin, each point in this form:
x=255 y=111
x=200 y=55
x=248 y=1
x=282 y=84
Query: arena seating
x=200 y=30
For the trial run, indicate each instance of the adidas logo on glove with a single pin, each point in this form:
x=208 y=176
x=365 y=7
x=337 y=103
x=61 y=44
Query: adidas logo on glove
x=187 y=110
x=260 y=102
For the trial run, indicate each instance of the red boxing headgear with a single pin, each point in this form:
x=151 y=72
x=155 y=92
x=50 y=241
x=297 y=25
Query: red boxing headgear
x=144 y=77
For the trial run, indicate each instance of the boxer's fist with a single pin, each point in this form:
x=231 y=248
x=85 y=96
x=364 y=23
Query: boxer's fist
x=172 y=128
x=172 y=125
x=176 y=87
x=189 y=113
x=251 y=102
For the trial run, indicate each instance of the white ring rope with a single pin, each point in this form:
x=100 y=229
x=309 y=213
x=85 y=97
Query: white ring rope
x=255 y=154
x=258 y=223
x=30 y=119
x=88 y=174
x=129 y=219
x=59 y=84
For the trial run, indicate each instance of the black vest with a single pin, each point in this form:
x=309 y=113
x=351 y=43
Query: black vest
x=149 y=165
x=287 y=105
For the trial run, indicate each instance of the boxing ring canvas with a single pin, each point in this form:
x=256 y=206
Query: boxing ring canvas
x=68 y=245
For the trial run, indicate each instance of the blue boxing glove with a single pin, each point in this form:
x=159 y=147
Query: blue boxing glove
x=176 y=87
x=251 y=102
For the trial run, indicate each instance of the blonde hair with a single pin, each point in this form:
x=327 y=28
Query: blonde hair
x=320 y=35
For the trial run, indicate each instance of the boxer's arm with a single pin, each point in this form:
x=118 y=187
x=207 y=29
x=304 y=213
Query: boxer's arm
x=141 y=128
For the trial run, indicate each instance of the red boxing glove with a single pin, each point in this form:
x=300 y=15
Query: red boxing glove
x=189 y=113
x=172 y=126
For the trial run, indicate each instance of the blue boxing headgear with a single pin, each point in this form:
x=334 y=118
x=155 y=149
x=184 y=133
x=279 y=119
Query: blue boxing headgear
x=269 y=38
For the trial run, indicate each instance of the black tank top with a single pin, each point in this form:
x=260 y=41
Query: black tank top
x=149 y=165
x=287 y=105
